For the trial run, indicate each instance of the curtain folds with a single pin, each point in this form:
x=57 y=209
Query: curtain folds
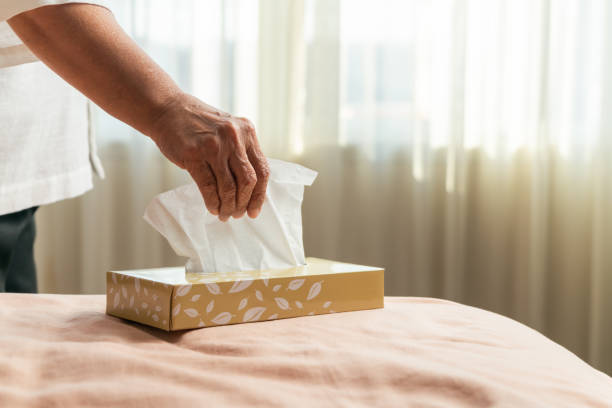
x=463 y=145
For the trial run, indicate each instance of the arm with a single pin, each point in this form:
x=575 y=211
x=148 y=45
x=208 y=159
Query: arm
x=84 y=45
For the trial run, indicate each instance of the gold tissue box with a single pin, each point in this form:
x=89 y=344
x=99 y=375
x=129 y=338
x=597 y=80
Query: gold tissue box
x=170 y=299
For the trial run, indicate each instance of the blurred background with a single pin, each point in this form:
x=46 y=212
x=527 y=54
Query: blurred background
x=465 y=146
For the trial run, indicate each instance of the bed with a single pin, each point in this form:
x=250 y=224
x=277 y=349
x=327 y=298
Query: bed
x=63 y=351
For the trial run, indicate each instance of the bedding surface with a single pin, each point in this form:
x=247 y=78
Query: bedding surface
x=62 y=350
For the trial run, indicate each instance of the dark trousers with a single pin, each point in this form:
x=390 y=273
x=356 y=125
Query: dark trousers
x=17 y=269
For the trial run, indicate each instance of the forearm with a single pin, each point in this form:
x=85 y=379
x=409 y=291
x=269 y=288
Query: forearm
x=84 y=45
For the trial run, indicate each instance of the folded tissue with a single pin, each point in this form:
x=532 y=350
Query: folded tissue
x=273 y=240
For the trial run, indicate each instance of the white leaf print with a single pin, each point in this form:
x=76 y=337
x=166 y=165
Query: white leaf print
x=239 y=286
x=191 y=312
x=222 y=318
x=296 y=284
x=253 y=314
x=155 y=318
x=183 y=290
x=158 y=308
x=176 y=309
x=274 y=316
x=276 y=288
x=111 y=290
x=311 y=314
x=210 y=306
x=144 y=305
x=146 y=292
x=154 y=297
x=265 y=281
x=124 y=291
x=116 y=300
x=243 y=303
x=195 y=298
x=114 y=276
x=137 y=312
x=132 y=301
x=148 y=312
x=298 y=304
x=164 y=322
x=314 y=290
x=213 y=288
x=326 y=304
x=201 y=324
x=331 y=311
x=259 y=296
x=137 y=285
x=282 y=303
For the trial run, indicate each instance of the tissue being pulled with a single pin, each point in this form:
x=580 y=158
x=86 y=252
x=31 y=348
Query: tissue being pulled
x=273 y=240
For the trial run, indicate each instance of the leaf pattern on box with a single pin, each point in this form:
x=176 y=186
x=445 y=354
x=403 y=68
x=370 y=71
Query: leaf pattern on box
x=282 y=303
x=176 y=309
x=239 y=286
x=315 y=289
x=296 y=284
x=183 y=290
x=217 y=303
x=222 y=318
x=253 y=314
x=213 y=288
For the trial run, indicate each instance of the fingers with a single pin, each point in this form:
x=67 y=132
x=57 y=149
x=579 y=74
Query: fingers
x=246 y=179
x=260 y=164
x=226 y=188
x=203 y=175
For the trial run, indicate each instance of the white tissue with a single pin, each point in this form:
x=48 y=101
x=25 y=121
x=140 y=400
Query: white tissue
x=273 y=240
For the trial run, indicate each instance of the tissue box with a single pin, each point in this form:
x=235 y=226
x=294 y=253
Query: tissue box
x=170 y=299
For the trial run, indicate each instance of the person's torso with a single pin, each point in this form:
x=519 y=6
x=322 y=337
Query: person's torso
x=44 y=145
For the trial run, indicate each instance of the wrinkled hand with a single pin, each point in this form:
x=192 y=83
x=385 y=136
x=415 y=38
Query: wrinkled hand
x=220 y=152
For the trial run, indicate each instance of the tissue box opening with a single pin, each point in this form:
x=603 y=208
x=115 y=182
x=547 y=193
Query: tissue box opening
x=170 y=299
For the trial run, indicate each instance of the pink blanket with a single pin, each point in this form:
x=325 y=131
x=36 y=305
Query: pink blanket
x=59 y=350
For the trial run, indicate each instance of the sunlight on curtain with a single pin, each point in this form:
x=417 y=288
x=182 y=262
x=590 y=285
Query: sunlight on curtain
x=464 y=145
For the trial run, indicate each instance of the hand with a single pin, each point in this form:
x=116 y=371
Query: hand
x=220 y=152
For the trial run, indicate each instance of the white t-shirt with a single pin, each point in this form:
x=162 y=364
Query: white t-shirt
x=47 y=151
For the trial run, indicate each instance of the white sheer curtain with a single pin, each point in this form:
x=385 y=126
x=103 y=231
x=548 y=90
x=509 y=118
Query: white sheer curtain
x=463 y=145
